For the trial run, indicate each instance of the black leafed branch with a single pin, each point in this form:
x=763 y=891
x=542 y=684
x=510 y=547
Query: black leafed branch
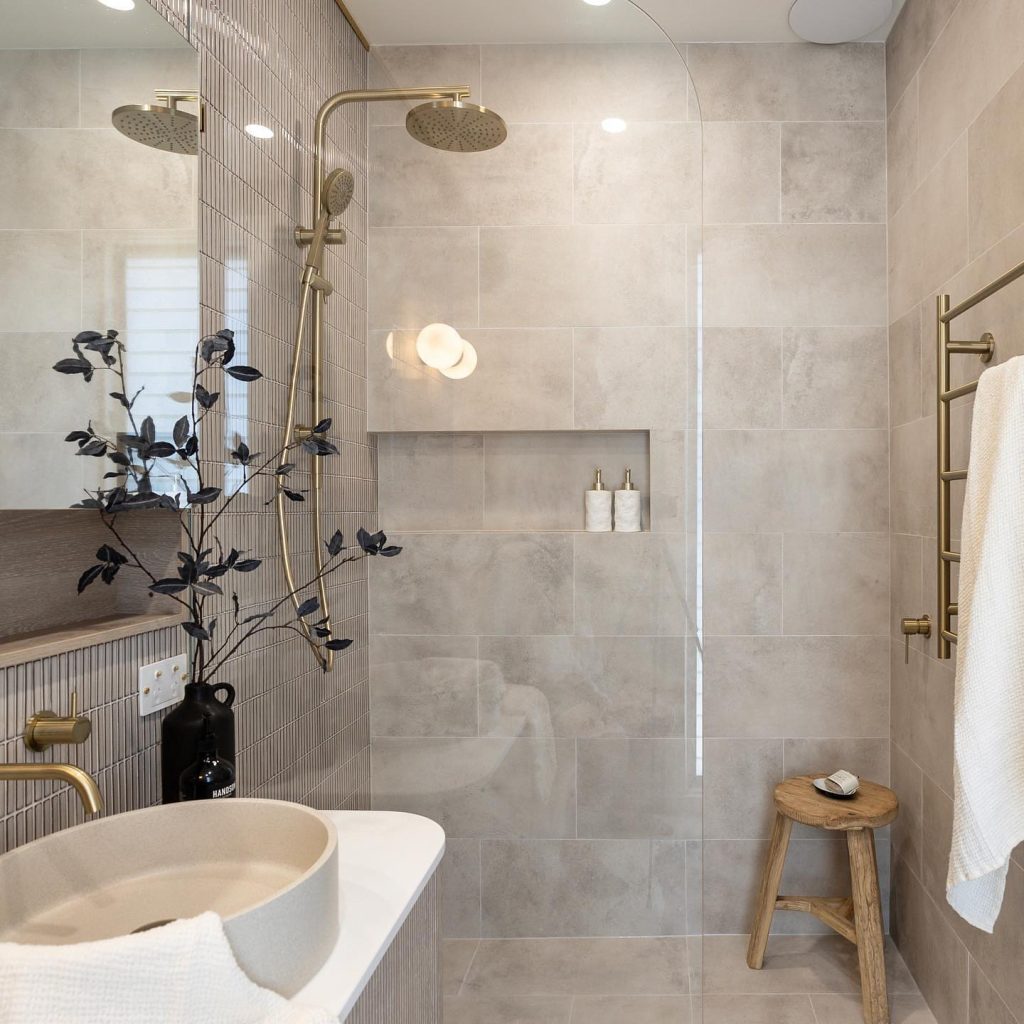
x=140 y=460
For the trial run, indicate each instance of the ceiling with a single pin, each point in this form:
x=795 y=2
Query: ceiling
x=81 y=25
x=530 y=21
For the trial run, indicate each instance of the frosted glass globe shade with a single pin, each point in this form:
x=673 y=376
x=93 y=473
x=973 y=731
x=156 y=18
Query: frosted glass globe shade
x=439 y=346
x=465 y=366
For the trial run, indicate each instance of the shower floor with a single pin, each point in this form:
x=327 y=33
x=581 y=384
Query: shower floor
x=806 y=980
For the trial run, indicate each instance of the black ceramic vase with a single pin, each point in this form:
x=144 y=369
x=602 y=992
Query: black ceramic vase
x=182 y=732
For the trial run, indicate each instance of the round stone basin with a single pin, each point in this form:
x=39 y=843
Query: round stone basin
x=268 y=867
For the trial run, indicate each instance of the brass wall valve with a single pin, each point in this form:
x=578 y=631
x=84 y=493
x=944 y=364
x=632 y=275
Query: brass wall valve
x=914 y=627
x=46 y=728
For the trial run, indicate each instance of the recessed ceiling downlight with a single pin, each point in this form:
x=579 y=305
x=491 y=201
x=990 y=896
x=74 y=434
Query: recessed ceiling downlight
x=597 y=3
x=119 y=5
x=259 y=131
x=837 y=21
x=614 y=125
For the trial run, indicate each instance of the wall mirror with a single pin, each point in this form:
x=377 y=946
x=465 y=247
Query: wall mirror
x=98 y=229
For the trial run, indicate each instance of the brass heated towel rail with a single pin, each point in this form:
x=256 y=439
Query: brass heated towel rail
x=985 y=348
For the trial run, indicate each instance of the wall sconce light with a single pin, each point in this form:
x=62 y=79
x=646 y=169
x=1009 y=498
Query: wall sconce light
x=439 y=346
x=465 y=366
x=442 y=348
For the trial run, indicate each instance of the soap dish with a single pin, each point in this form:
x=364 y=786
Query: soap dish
x=819 y=785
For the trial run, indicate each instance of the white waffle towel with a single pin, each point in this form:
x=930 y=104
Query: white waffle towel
x=182 y=973
x=988 y=819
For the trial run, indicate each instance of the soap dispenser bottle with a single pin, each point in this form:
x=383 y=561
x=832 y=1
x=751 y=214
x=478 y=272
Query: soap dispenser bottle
x=211 y=777
x=627 y=506
x=598 y=507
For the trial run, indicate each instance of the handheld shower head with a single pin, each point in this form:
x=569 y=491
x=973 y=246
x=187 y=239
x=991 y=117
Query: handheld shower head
x=456 y=126
x=338 y=189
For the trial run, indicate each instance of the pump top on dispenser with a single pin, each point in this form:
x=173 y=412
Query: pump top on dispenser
x=598 y=506
x=627 y=506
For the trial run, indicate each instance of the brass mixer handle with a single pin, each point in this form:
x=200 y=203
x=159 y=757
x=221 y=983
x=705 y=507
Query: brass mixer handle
x=46 y=728
x=914 y=627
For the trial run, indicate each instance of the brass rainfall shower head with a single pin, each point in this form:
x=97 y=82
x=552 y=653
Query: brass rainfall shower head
x=161 y=126
x=456 y=126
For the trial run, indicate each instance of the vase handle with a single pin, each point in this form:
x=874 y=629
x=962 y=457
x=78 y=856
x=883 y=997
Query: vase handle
x=227 y=688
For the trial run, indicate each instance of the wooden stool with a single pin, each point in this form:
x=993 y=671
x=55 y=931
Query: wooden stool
x=857 y=918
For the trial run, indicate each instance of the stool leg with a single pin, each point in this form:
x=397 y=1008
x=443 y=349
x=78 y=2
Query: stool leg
x=868 y=921
x=769 y=891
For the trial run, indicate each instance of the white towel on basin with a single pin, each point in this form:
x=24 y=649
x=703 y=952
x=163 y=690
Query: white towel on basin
x=182 y=973
x=988 y=819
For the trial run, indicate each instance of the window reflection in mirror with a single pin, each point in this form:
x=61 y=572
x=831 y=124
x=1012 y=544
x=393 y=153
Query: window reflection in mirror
x=98 y=230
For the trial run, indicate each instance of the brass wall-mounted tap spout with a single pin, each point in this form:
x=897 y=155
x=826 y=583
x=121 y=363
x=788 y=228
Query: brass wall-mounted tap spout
x=84 y=784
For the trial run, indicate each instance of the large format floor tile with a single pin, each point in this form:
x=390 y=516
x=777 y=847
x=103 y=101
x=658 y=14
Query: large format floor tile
x=810 y=964
x=806 y=980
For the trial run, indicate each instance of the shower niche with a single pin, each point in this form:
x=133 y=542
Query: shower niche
x=531 y=481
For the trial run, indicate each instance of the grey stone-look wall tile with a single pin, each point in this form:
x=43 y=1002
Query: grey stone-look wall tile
x=423 y=275
x=423 y=685
x=906 y=356
x=908 y=785
x=39 y=88
x=630 y=585
x=912 y=36
x=527 y=180
x=583 y=276
x=398 y=67
x=835 y=377
x=935 y=956
x=797 y=686
x=984 y=1002
x=744 y=489
x=836 y=583
x=584 y=887
x=810 y=274
x=834 y=172
x=431 y=481
x=922 y=713
x=130 y=76
x=545 y=83
x=741 y=172
x=742 y=377
x=954 y=89
x=460 y=889
x=743 y=581
x=593 y=686
x=767 y=82
x=995 y=205
x=902 y=138
x=480 y=787
x=648 y=174
x=523 y=381
x=926 y=249
x=630 y=377
x=636 y=788
x=913 y=471
x=739 y=776
x=835 y=480
x=504 y=584
x=28 y=257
